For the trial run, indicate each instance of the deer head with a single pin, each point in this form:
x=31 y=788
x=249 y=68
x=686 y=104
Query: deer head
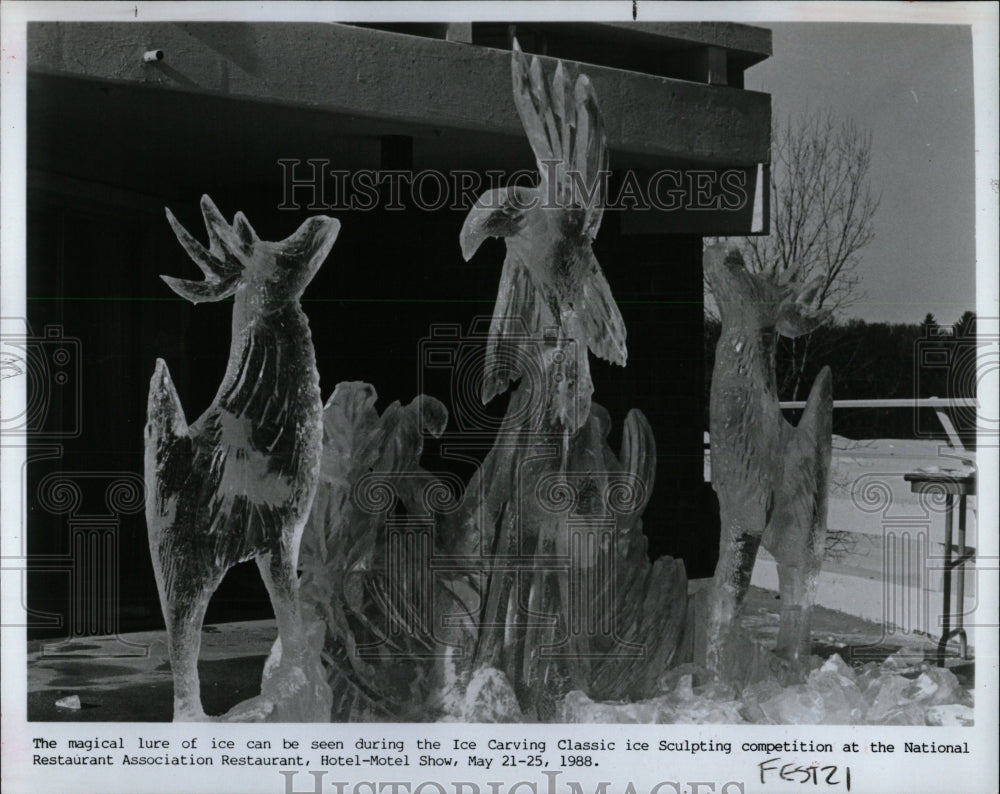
x=768 y=300
x=236 y=259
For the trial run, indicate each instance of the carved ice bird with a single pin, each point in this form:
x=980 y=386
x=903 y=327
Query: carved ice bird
x=238 y=483
x=551 y=285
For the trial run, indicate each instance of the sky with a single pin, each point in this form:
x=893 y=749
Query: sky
x=911 y=86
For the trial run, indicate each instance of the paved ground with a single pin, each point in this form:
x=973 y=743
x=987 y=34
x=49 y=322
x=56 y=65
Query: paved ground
x=127 y=679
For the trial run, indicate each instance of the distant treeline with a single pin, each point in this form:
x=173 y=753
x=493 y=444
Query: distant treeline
x=878 y=361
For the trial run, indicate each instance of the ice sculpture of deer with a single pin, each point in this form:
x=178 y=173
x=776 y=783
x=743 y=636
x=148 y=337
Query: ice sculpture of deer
x=771 y=477
x=238 y=482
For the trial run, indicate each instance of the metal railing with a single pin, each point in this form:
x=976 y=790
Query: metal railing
x=938 y=403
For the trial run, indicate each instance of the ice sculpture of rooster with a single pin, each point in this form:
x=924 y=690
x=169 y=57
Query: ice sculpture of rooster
x=238 y=483
x=553 y=308
x=551 y=287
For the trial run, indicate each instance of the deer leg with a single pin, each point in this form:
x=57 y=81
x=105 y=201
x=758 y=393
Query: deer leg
x=798 y=594
x=185 y=589
x=282 y=583
x=742 y=529
x=297 y=686
x=797 y=540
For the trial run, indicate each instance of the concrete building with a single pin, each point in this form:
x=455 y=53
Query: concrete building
x=245 y=112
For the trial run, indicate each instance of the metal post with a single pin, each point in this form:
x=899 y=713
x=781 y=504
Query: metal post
x=946 y=627
x=960 y=564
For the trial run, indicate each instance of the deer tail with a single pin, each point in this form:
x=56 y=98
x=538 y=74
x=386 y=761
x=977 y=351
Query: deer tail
x=168 y=444
x=817 y=418
x=164 y=412
x=808 y=458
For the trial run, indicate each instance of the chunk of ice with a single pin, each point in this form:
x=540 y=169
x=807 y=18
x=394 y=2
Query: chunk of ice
x=491 y=698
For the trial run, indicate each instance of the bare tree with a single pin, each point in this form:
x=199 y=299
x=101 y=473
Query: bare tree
x=822 y=216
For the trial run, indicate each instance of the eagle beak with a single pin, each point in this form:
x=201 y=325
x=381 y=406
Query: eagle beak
x=496 y=213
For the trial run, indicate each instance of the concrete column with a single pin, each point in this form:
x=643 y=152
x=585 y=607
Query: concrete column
x=657 y=282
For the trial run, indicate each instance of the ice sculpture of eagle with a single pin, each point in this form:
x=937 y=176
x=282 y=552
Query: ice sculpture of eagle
x=552 y=287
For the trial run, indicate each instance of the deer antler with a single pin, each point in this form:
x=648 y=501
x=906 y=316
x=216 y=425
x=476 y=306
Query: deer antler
x=222 y=263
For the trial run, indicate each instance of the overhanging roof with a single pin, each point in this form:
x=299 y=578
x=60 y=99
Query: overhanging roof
x=407 y=80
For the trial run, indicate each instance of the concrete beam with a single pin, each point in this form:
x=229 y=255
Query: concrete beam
x=749 y=39
x=713 y=62
x=394 y=77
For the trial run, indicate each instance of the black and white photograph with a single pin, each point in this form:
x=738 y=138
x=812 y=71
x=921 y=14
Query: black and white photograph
x=499 y=397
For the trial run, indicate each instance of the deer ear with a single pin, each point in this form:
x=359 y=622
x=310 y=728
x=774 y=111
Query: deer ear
x=801 y=314
x=310 y=244
x=794 y=322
